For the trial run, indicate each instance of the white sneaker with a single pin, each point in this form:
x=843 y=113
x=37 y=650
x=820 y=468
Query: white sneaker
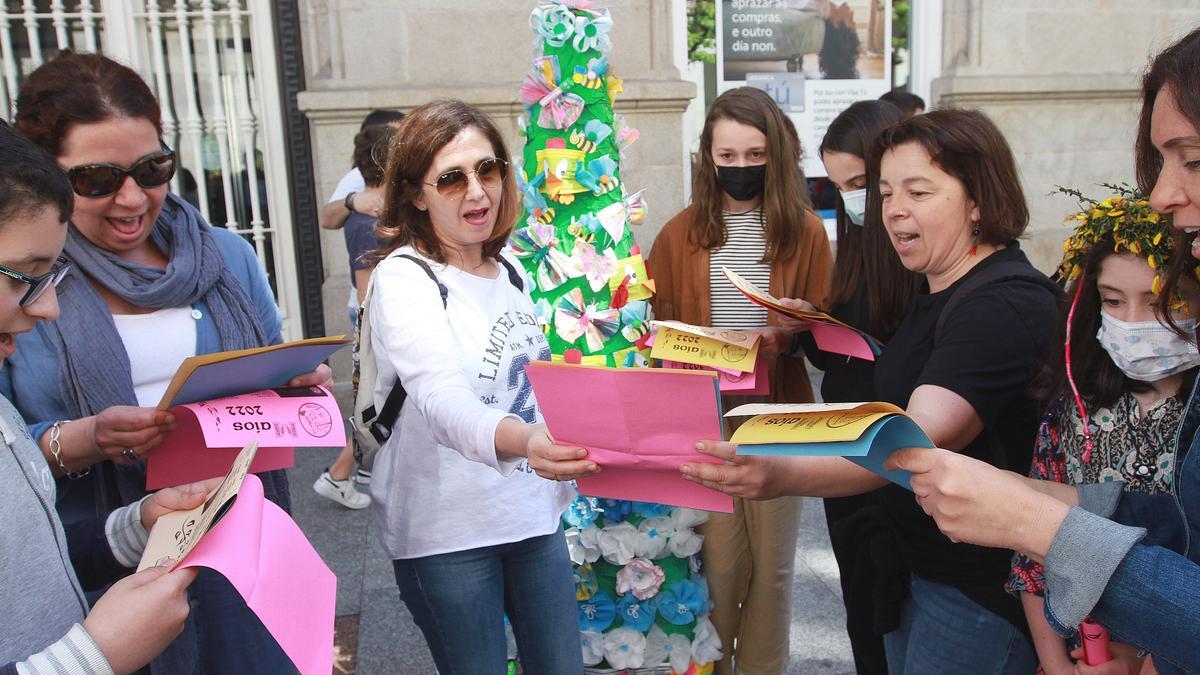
x=341 y=491
x=362 y=476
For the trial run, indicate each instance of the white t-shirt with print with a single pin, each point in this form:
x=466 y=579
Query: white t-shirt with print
x=438 y=485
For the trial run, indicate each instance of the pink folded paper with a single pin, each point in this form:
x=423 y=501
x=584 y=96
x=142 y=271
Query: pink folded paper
x=265 y=556
x=841 y=340
x=733 y=382
x=210 y=434
x=638 y=424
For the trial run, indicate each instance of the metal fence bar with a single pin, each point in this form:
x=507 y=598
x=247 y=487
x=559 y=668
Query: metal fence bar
x=216 y=111
x=31 y=30
x=194 y=124
x=247 y=125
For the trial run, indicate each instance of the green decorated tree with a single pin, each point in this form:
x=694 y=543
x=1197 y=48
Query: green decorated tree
x=643 y=604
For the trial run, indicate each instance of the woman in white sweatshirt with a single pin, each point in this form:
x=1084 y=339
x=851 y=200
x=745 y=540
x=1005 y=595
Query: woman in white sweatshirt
x=460 y=489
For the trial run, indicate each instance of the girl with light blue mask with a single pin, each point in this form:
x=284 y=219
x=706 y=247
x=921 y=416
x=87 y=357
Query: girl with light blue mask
x=1124 y=368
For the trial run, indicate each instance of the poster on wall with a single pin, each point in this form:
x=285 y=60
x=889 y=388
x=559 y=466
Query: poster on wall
x=814 y=57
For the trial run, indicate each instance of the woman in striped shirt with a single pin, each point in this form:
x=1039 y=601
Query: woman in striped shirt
x=750 y=213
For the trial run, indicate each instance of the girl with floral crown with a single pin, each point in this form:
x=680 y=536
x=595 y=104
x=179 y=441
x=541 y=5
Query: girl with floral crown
x=1114 y=388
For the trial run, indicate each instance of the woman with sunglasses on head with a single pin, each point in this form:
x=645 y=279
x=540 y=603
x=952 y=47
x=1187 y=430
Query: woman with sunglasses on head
x=750 y=213
x=1093 y=547
x=151 y=284
x=460 y=490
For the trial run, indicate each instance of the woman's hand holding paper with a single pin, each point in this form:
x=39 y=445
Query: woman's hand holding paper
x=321 y=377
x=126 y=433
x=139 y=616
x=178 y=498
x=553 y=461
x=751 y=477
x=976 y=503
x=773 y=341
x=795 y=325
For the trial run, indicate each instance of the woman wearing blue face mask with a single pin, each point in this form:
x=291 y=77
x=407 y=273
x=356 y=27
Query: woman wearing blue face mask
x=1124 y=371
x=871 y=291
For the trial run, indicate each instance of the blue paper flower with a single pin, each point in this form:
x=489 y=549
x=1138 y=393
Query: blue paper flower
x=597 y=613
x=582 y=512
x=649 y=509
x=636 y=614
x=615 y=510
x=682 y=602
x=599 y=176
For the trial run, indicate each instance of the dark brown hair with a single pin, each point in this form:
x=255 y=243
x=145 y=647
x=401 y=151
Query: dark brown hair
x=370 y=152
x=865 y=252
x=30 y=180
x=80 y=89
x=967 y=145
x=785 y=193
x=419 y=138
x=1176 y=68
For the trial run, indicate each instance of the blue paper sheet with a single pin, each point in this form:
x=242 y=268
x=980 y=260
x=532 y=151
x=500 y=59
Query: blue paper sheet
x=265 y=370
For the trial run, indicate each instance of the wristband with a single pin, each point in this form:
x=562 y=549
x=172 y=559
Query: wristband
x=348 y=202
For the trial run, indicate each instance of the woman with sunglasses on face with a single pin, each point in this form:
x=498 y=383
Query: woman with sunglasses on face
x=460 y=490
x=151 y=284
x=1092 y=546
x=49 y=627
x=750 y=213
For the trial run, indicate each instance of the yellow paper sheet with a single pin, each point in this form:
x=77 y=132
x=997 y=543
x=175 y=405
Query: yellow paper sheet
x=805 y=427
x=689 y=347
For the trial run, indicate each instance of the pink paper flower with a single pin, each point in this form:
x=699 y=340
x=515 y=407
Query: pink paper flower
x=642 y=577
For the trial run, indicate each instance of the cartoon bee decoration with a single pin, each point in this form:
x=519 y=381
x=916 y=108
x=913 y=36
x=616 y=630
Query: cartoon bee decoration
x=591 y=77
x=600 y=175
x=585 y=228
x=591 y=136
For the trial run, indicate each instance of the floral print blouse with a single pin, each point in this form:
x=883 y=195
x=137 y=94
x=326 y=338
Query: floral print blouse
x=1126 y=446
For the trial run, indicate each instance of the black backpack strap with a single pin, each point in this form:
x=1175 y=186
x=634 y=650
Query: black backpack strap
x=381 y=428
x=514 y=277
x=990 y=274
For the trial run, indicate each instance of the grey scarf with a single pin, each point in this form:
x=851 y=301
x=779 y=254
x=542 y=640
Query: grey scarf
x=93 y=365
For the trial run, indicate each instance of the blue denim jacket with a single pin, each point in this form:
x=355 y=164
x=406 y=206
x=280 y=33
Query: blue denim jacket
x=1145 y=593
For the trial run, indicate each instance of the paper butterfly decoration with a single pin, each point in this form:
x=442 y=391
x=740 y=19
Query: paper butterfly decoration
x=544 y=314
x=591 y=136
x=592 y=76
x=635 y=207
x=573 y=320
x=597 y=267
x=600 y=175
x=536 y=244
x=626 y=135
x=542 y=86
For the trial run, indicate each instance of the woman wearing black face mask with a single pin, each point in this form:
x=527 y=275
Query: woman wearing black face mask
x=749 y=212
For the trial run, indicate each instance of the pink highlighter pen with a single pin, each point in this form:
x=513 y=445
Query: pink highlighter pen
x=1095 y=642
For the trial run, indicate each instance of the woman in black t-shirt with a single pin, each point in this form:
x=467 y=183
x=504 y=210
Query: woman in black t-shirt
x=959 y=363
